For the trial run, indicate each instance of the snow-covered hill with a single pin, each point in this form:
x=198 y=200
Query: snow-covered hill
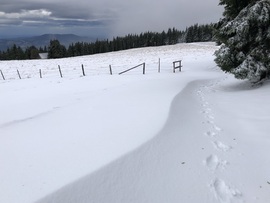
x=193 y=136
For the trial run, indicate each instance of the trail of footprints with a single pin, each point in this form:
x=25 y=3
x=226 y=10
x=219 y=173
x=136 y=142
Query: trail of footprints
x=222 y=191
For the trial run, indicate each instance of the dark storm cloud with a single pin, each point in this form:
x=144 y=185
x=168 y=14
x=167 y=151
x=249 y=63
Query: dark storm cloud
x=117 y=17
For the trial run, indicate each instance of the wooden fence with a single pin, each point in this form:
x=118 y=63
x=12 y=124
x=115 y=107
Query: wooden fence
x=41 y=74
x=177 y=65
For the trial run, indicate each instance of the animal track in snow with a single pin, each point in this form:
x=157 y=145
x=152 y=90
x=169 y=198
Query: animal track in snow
x=225 y=193
x=220 y=146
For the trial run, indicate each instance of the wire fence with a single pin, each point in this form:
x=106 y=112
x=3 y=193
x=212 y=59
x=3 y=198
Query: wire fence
x=64 y=69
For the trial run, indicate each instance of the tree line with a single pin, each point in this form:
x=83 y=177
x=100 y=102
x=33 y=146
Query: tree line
x=195 y=33
x=17 y=53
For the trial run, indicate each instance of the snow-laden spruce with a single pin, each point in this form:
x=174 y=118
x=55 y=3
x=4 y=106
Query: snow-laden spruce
x=245 y=51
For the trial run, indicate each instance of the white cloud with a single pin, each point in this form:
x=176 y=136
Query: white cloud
x=40 y=13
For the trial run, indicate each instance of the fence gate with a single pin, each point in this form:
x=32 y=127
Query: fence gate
x=176 y=65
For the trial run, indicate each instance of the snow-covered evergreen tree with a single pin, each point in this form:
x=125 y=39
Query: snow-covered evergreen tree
x=245 y=49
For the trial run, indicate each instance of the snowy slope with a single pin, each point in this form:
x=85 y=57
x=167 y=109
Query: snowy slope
x=194 y=136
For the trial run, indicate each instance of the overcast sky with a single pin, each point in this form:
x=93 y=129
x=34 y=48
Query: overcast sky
x=104 y=18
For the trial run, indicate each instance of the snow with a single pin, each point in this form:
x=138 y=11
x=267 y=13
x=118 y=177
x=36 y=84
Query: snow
x=193 y=136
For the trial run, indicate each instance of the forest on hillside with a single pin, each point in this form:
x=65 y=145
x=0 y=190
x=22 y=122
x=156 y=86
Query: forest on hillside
x=194 y=33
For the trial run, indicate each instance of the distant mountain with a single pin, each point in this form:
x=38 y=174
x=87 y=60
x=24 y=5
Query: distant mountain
x=43 y=40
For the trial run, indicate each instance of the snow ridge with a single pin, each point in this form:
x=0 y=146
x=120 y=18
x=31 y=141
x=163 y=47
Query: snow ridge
x=156 y=171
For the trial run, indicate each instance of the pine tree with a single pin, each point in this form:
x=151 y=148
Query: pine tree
x=32 y=53
x=245 y=38
x=56 y=50
x=233 y=7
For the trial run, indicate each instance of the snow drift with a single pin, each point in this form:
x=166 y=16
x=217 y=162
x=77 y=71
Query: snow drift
x=194 y=136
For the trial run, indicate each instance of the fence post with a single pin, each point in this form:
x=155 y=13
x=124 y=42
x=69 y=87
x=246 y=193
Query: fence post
x=110 y=67
x=60 y=71
x=143 y=68
x=2 y=75
x=83 y=70
x=40 y=74
x=159 y=65
x=19 y=74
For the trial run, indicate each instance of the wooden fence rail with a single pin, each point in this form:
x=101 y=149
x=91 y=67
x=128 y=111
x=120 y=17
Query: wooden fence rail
x=142 y=64
x=176 y=65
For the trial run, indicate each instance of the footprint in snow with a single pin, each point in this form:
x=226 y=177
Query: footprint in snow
x=213 y=163
x=217 y=128
x=210 y=117
x=205 y=104
x=225 y=193
x=210 y=122
x=210 y=134
x=206 y=111
x=199 y=92
x=220 y=146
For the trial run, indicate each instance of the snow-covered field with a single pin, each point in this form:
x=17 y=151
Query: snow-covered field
x=194 y=136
